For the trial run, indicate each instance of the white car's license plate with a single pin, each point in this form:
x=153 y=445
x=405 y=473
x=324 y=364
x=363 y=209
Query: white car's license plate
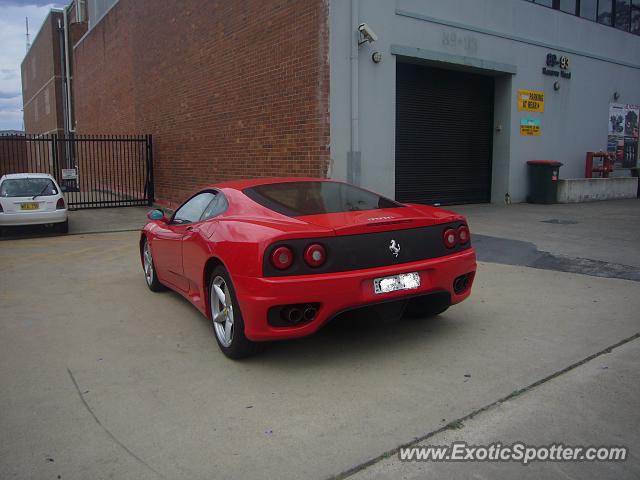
x=29 y=206
x=403 y=281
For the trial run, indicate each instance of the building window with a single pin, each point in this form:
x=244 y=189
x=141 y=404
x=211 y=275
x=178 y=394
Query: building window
x=623 y=14
x=568 y=6
x=635 y=17
x=589 y=9
x=605 y=12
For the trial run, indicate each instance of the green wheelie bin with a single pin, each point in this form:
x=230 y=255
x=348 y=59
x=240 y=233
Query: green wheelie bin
x=543 y=181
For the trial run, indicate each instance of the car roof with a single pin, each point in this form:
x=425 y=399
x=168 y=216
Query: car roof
x=254 y=182
x=26 y=175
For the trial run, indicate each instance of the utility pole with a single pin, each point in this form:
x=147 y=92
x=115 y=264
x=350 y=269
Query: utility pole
x=26 y=21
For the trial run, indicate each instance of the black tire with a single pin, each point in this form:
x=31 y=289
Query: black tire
x=63 y=227
x=240 y=346
x=151 y=278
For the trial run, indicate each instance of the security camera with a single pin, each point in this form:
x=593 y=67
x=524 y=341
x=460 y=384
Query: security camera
x=366 y=34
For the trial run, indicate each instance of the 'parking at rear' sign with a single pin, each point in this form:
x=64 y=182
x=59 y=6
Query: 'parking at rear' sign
x=531 y=100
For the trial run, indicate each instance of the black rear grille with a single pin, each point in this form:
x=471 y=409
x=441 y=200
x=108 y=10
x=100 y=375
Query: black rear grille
x=354 y=252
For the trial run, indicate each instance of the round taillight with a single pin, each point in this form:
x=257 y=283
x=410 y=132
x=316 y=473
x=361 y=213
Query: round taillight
x=463 y=234
x=315 y=255
x=60 y=204
x=450 y=238
x=282 y=258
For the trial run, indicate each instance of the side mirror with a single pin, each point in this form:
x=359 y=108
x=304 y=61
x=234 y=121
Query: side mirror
x=155 y=215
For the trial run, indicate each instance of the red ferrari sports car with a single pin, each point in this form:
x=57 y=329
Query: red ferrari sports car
x=270 y=259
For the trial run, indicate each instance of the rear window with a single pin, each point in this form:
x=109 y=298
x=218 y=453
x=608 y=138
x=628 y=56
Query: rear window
x=312 y=198
x=27 y=187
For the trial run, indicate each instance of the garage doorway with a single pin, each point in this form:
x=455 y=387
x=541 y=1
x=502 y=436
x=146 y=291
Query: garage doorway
x=444 y=135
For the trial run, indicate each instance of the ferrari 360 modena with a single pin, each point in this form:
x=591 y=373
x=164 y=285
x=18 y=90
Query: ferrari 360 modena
x=272 y=259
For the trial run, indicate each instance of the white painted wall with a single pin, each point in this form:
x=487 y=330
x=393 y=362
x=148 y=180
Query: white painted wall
x=575 y=117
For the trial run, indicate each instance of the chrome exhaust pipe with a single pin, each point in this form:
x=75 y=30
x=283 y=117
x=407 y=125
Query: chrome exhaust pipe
x=461 y=284
x=294 y=315
x=310 y=313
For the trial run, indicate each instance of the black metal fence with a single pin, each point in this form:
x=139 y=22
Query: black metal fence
x=93 y=171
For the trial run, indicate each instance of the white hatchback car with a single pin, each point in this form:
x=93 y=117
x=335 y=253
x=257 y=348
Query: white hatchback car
x=32 y=199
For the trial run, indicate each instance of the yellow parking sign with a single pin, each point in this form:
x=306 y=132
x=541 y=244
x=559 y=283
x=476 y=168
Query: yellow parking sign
x=531 y=100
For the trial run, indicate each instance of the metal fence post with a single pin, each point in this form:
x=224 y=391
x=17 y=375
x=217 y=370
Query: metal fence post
x=150 y=186
x=54 y=153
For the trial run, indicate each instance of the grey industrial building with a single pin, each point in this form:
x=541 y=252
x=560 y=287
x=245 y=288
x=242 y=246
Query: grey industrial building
x=436 y=115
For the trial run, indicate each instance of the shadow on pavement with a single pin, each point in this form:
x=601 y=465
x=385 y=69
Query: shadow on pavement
x=28 y=231
x=518 y=252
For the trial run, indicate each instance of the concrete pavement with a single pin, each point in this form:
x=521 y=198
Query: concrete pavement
x=594 y=404
x=108 y=219
x=95 y=220
x=603 y=231
x=102 y=378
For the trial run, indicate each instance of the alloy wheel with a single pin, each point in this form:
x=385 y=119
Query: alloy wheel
x=148 y=263
x=222 y=311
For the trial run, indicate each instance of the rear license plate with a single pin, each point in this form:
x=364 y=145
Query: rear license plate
x=403 y=281
x=29 y=206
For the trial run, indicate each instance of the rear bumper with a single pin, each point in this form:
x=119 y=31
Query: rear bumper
x=32 y=218
x=337 y=292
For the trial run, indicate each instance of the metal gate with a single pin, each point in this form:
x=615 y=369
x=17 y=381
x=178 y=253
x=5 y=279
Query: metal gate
x=444 y=134
x=94 y=171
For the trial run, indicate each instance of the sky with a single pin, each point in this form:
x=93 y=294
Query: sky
x=12 y=51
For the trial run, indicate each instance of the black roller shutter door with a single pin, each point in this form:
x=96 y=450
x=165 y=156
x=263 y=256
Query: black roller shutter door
x=443 y=135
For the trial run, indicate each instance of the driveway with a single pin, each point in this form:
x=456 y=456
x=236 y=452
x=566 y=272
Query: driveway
x=602 y=231
x=102 y=378
x=94 y=220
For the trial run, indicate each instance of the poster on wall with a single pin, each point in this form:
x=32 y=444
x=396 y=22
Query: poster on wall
x=622 y=136
x=616 y=119
x=530 y=127
x=631 y=121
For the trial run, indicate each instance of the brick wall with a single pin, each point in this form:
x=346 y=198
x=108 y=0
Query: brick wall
x=13 y=154
x=228 y=89
x=42 y=80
